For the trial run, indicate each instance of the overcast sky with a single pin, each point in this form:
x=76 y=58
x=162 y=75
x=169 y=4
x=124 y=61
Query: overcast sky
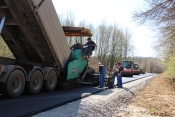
x=112 y=11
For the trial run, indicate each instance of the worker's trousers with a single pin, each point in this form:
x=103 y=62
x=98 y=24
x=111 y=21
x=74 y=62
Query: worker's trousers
x=115 y=76
x=102 y=77
x=86 y=49
x=120 y=81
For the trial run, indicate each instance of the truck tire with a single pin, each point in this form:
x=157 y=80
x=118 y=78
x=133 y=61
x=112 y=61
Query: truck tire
x=51 y=81
x=36 y=82
x=15 y=83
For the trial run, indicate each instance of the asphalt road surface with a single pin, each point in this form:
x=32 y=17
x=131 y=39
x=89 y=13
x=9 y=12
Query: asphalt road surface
x=28 y=105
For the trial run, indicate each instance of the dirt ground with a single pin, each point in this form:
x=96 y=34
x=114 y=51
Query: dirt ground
x=157 y=99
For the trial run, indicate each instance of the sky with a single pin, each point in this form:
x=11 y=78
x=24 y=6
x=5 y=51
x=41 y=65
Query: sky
x=112 y=11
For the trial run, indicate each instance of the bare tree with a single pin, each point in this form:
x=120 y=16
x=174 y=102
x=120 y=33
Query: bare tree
x=127 y=45
x=69 y=21
x=101 y=31
x=113 y=46
x=158 y=11
x=161 y=14
x=61 y=19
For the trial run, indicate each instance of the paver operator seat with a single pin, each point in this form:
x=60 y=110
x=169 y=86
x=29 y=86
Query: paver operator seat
x=78 y=32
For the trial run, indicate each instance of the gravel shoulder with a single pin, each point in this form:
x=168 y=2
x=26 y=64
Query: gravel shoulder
x=104 y=104
x=157 y=99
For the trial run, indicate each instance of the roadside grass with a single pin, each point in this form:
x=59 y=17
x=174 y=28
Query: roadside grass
x=153 y=110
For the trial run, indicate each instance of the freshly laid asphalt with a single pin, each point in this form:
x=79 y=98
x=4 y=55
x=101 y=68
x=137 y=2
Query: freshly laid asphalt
x=28 y=105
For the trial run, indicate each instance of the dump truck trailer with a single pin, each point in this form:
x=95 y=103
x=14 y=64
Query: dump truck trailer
x=32 y=31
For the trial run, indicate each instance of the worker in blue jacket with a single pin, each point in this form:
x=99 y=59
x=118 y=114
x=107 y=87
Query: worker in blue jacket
x=90 y=46
x=102 y=74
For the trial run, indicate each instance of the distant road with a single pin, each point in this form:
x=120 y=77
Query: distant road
x=136 y=77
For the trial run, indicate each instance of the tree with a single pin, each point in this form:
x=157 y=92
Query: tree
x=127 y=45
x=4 y=50
x=69 y=20
x=160 y=14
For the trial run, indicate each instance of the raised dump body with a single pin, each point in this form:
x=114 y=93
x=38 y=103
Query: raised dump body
x=33 y=32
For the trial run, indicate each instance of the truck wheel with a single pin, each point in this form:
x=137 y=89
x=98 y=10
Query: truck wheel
x=51 y=81
x=36 y=82
x=15 y=83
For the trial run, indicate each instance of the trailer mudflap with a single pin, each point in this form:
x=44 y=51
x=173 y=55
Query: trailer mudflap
x=2 y=69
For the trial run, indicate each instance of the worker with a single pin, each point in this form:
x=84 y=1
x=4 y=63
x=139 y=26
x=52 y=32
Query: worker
x=115 y=74
x=120 y=68
x=102 y=72
x=90 y=46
